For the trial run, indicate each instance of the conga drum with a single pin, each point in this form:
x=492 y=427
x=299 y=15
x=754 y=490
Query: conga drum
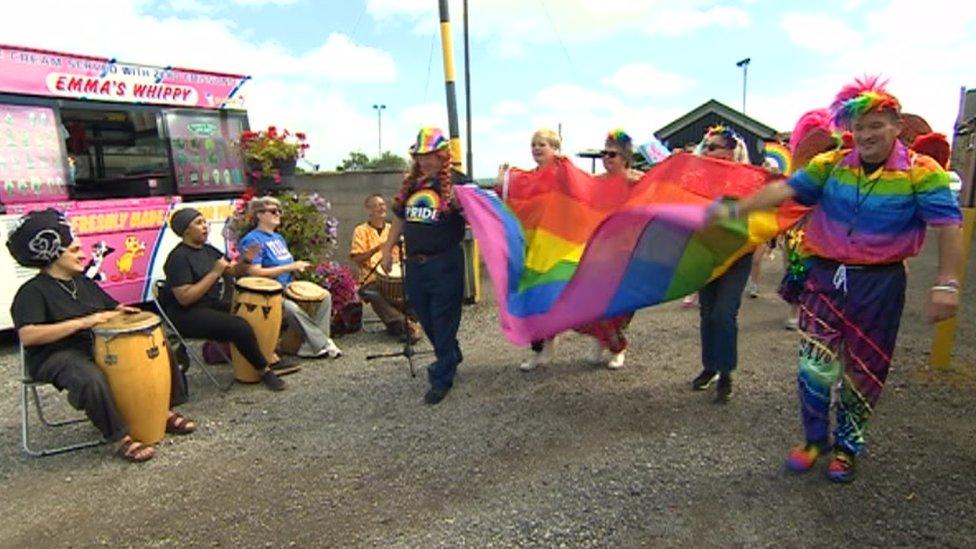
x=258 y=301
x=308 y=296
x=390 y=285
x=131 y=351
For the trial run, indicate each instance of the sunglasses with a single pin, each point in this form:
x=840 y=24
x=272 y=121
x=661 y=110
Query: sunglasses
x=717 y=147
x=610 y=154
x=272 y=211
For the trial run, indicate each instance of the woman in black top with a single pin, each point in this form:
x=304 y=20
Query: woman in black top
x=54 y=313
x=199 y=283
x=429 y=218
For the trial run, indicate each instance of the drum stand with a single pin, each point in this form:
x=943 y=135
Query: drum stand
x=408 y=351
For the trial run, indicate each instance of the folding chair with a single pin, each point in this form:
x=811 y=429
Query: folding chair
x=171 y=330
x=28 y=385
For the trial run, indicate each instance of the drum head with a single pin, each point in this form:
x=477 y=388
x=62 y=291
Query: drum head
x=258 y=284
x=125 y=323
x=394 y=271
x=303 y=290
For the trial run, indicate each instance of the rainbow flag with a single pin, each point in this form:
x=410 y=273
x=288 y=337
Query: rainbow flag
x=565 y=248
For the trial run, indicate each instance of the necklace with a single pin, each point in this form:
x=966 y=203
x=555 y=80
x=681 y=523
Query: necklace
x=858 y=200
x=72 y=291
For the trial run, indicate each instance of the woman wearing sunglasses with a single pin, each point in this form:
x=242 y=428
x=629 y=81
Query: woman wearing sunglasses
x=274 y=260
x=617 y=154
x=720 y=299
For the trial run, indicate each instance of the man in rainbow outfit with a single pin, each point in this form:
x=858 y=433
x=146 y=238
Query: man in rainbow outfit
x=871 y=206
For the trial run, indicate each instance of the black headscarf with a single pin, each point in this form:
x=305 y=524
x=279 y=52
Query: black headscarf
x=182 y=219
x=40 y=238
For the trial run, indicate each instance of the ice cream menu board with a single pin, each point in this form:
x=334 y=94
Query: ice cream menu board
x=31 y=163
x=206 y=154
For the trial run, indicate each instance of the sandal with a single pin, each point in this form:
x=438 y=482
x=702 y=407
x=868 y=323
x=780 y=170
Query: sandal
x=178 y=424
x=134 y=451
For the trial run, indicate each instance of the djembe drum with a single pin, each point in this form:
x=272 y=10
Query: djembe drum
x=308 y=296
x=258 y=301
x=390 y=284
x=131 y=351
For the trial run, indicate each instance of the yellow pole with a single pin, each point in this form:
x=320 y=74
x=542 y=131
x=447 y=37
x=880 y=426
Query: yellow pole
x=447 y=52
x=945 y=331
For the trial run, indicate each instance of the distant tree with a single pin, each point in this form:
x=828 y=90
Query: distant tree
x=359 y=161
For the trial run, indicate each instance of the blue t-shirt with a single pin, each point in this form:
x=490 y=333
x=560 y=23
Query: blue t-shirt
x=274 y=251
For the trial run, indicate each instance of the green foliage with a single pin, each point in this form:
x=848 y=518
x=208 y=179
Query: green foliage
x=359 y=161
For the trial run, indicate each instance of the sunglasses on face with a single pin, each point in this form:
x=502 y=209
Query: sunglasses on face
x=609 y=154
x=717 y=147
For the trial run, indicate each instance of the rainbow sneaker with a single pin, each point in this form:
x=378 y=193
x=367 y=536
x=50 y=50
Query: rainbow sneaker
x=841 y=467
x=801 y=458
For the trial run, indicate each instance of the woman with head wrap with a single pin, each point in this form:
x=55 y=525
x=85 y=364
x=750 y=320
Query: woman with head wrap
x=427 y=214
x=54 y=312
x=871 y=208
x=198 y=279
x=720 y=299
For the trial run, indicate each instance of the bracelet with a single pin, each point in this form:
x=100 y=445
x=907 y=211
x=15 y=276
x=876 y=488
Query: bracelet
x=952 y=289
x=947 y=282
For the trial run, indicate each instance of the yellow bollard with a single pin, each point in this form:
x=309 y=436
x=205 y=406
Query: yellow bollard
x=945 y=331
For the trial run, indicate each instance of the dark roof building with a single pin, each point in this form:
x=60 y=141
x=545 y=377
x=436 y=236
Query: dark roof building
x=690 y=128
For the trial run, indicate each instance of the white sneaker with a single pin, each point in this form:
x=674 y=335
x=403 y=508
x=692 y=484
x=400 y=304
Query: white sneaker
x=541 y=358
x=333 y=350
x=616 y=361
x=595 y=356
x=792 y=323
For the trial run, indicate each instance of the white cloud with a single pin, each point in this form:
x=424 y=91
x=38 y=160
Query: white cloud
x=512 y=26
x=643 y=80
x=509 y=108
x=820 y=33
x=191 y=6
x=924 y=50
x=262 y=3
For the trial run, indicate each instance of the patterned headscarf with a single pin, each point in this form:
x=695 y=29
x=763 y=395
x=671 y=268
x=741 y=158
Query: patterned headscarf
x=40 y=238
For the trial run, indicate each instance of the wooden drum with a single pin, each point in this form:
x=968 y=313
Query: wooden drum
x=391 y=285
x=258 y=301
x=131 y=351
x=308 y=296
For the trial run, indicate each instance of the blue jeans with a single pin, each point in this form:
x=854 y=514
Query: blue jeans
x=720 y=301
x=435 y=290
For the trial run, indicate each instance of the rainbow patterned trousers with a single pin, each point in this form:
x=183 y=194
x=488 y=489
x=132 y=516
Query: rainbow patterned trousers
x=849 y=317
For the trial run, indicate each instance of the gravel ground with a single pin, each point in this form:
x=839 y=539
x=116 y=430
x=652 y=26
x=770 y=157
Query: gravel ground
x=569 y=455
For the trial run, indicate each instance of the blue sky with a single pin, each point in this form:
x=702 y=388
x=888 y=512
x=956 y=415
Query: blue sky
x=588 y=65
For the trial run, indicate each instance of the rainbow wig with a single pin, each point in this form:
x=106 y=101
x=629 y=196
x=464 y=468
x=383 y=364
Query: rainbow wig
x=739 y=153
x=619 y=137
x=859 y=98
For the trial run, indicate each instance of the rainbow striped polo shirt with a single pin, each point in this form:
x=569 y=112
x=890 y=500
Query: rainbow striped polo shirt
x=865 y=219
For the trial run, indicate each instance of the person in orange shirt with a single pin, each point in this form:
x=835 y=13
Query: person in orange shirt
x=366 y=252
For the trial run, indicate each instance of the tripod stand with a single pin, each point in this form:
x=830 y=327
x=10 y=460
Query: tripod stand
x=408 y=351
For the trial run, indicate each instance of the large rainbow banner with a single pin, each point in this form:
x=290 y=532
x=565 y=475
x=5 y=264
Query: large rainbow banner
x=565 y=248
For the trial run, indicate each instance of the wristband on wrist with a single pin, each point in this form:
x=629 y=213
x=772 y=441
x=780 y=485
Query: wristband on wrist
x=947 y=281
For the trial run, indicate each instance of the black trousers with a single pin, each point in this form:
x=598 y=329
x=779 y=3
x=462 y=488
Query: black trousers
x=75 y=371
x=214 y=321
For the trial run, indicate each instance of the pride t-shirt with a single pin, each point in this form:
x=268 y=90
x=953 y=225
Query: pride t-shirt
x=274 y=251
x=866 y=219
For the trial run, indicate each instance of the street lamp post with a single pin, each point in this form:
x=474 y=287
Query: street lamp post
x=379 y=129
x=744 y=65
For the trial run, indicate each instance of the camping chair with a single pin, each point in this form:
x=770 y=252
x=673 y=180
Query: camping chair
x=28 y=385
x=192 y=355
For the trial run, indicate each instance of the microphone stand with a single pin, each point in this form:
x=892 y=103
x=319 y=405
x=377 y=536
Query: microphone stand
x=408 y=351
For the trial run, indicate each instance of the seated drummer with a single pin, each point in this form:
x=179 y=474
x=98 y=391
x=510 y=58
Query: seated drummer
x=54 y=312
x=273 y=260
x=200 y=284
x=366 y=252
